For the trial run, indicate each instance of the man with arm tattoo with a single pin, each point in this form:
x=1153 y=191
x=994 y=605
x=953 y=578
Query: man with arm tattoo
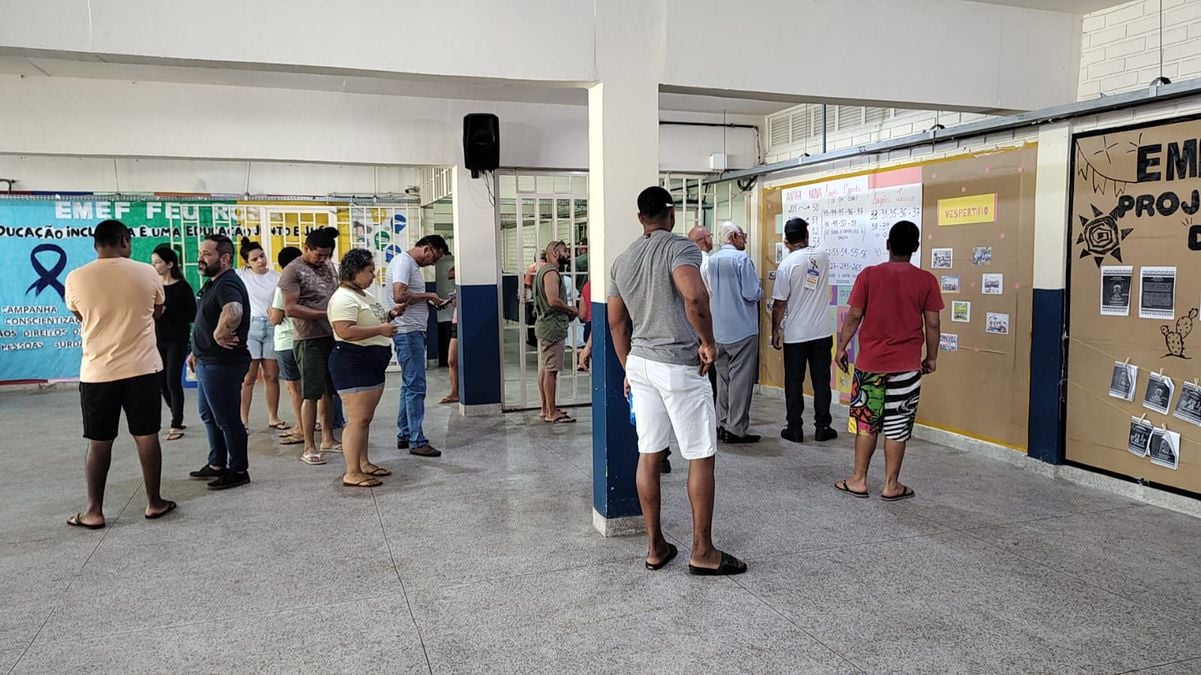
x=220 y=358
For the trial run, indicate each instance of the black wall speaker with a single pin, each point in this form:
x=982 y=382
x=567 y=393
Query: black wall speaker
x=481 y=142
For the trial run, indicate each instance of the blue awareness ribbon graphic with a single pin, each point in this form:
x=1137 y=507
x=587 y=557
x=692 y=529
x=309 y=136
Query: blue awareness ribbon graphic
x=48 y=278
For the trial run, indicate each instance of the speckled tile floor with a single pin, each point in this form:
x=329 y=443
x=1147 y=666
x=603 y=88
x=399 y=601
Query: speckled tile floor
x=485 y=560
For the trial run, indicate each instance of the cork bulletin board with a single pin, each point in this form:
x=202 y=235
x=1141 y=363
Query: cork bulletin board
x=1135 y=281
x=977 y=222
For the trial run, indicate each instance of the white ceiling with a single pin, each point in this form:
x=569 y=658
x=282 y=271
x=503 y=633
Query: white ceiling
x=360 y=83
x=1068 y=6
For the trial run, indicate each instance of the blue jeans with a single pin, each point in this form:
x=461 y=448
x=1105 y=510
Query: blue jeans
x=219 y=393
x=410 y=354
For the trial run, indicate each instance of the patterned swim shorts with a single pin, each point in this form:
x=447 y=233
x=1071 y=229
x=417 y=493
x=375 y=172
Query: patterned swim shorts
x=885 y=403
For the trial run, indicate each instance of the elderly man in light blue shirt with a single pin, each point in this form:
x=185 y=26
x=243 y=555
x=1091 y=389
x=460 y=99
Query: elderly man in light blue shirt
x=734 y=292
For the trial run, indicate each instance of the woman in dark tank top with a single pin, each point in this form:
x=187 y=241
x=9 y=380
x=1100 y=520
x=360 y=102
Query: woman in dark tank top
x=172 y=331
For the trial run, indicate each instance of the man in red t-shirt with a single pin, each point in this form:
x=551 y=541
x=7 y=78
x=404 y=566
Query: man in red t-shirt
x=894 y=307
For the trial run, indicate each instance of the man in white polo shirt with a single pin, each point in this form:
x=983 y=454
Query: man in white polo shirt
x=800 y=323
x=658 y=313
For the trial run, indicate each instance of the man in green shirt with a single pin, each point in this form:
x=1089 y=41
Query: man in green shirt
x=552 y=314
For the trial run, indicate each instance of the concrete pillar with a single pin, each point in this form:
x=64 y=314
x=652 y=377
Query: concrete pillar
x=476 y=246
x=623 y=159
x=1048 y=340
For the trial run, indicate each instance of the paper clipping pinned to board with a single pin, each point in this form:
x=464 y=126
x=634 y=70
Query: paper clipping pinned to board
x=1116 y=281
x=1157 y=293
x=1164 y=448
x=993 y=284
x=1188 y=406
x=1122 y=381
x=949 y=283
x=1140 y=436
x=1158 y=394
x=941 y=258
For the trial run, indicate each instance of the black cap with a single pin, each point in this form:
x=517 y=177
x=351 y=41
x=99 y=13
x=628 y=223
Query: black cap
x=795 y=230
x=654 y=202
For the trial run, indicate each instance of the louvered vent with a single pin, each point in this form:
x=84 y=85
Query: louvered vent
x=778 y=131
x=849 y=116
x=801 y=123
x=876 y=116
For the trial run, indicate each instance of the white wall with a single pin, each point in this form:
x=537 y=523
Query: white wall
x=60 y=116
x=927 y=53
x=1121 y=46
x=110 y=174
x=514 y=39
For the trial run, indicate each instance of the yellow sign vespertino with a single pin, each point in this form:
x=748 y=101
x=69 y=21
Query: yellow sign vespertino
x=967 y=210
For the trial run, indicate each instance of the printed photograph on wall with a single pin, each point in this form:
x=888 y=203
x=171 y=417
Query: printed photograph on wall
x=1122 y=381
x=1115 y=289
x=996 y=323
x=1157 y=293
x=940 y=258
x=961 y=311
x=1140 y=436
x=982 y=255
x=1188 y=406
x=1158 y=395
x=993 y=284
x=948 y=342
x=950 y=283
x=1164 y=448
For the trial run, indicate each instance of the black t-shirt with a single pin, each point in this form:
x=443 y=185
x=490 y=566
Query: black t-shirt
x=178 y=311
x=214 y=295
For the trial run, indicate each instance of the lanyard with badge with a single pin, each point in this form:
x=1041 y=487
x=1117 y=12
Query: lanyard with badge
x=812 y=274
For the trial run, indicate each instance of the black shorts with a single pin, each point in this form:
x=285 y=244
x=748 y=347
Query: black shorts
x=312 y=358
x=102 y=403
x=356 y=368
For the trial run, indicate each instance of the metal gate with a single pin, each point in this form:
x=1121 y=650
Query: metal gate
x=535 y=210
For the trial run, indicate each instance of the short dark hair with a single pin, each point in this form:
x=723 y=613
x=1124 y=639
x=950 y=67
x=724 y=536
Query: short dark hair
x=168 y=255
x=286 y=255
x=225 y=245
x=110 y=233
x=245 y=248
x=796 y=230
x=654 y=202
x=356 y=260
x=322 y=237
x=435 y=242
x=903 y=238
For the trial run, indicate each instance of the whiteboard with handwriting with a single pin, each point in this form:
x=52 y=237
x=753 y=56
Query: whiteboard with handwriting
x=850 y=218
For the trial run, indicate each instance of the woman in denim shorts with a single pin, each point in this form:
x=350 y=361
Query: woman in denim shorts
x=261 y=282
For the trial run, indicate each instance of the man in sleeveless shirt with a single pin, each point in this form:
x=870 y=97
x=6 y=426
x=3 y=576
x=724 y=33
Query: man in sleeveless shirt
x=552 y=315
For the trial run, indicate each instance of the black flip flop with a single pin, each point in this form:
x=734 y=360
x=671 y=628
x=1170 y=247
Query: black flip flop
x=905 y=494
x=841 y=486
x=170 y=507
x=77 y=521
x=672 y=551
x=729 y=566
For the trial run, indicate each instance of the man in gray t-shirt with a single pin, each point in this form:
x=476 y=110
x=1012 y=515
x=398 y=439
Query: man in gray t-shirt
x=642 y=277
x=662 y=333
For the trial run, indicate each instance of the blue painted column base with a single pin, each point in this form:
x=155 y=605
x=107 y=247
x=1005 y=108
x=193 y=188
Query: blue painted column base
x=614 y=442
x=1047 y=354
x=479 y=348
